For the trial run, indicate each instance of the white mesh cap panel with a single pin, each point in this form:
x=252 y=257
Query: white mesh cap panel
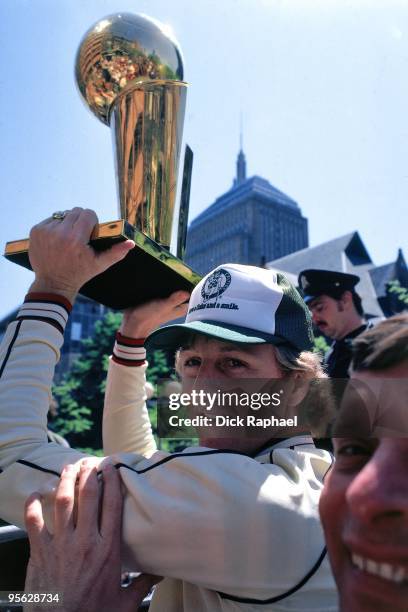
x=240 y=295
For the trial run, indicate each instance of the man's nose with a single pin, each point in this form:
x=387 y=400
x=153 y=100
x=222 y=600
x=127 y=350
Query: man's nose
x=207 y=371
x=379 y=493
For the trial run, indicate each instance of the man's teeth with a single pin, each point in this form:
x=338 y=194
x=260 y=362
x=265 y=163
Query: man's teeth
x=395 y=573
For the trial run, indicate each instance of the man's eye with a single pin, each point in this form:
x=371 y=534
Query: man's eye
x=235 y=363
x=352 y=449
x=192 y=362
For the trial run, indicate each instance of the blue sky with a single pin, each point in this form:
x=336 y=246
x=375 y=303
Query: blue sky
x=322 y=86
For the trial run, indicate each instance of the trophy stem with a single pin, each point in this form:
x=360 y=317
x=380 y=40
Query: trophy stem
x=147 y=128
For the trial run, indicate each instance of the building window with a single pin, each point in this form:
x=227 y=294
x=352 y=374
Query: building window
x=76 y=330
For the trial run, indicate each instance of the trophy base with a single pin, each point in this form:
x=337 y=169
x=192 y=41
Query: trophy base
x=147 y=272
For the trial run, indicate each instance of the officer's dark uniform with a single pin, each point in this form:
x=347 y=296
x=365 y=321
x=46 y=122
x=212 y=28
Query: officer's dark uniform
x=314 y=283
x=338 y=359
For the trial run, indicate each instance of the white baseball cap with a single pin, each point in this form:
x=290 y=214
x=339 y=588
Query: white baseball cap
x=238 y=303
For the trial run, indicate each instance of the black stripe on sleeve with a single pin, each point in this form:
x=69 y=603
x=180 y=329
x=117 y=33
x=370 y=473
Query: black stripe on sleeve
x=284 y=595
x=330 y=466
x=55 y=312
x=151 y=467
x=38 y=467
x=3 y=365
x=176 y=455
x=52 y=322
x=44 y=301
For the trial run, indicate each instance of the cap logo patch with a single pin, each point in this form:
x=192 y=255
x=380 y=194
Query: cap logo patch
x=216 y=284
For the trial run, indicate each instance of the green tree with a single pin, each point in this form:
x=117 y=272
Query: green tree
x=400 y=295
x=320 y=345
x=80 y=394
x=160 y=366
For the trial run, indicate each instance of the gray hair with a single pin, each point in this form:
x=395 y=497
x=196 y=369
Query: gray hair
x=318 y=406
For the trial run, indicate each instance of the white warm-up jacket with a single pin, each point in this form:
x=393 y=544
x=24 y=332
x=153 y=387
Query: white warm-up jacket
x=228 y=532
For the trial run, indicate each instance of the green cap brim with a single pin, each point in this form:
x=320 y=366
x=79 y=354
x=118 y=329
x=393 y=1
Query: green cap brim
x=173 y=336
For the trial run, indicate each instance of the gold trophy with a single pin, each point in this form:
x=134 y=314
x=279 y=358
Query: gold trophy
x=129 y=71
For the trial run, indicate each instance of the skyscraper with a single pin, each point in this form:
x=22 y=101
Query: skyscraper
x=252 y=223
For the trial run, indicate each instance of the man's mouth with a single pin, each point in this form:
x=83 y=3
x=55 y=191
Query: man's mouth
x=387 y=571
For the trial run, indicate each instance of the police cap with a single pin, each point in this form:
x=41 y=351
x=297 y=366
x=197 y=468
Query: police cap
x=313 y=283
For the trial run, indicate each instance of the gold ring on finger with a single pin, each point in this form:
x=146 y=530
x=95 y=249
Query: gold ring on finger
x=59 y=215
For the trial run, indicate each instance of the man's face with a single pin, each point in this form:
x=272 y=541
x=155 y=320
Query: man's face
x=328 y=316
x=209 y=365
x=364 y=511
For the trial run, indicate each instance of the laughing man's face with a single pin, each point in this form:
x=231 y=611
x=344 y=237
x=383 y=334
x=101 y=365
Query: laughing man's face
x=364 y=511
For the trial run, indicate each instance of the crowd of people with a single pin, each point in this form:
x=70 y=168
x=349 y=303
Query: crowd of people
x=239 y=522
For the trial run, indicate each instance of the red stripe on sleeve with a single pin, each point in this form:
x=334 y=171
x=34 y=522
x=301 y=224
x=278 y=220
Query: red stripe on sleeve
x=126 y=340
x=50 y=297
x=128 y=362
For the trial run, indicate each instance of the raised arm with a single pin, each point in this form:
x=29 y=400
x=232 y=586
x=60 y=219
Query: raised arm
x=62 y=262
x=126 y=423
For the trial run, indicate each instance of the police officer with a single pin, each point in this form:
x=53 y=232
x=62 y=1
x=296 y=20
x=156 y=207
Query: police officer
x=336 y=311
